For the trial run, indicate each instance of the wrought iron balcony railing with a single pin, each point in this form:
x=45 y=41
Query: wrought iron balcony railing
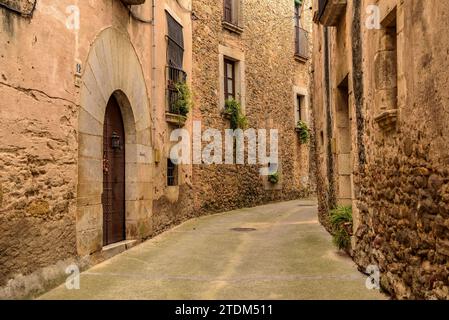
x=173 y=76
x=302 y=43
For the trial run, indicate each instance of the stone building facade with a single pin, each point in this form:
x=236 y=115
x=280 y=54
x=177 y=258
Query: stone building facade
x=257 y=40
x=380 y=101
x=60 y=71
x=86 y=116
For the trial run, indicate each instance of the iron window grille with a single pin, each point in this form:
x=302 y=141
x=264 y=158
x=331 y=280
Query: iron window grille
x=172 y=176
x=173 y=76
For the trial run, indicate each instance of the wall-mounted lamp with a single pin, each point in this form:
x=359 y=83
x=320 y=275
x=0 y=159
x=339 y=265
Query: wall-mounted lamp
x=115 y=139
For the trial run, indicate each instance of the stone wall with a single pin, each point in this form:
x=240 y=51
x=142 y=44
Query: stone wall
x=267 y=43
x=55 y=81
x=400 y=199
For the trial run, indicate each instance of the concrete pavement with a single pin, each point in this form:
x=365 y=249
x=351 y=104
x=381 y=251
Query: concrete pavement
x=288 y=255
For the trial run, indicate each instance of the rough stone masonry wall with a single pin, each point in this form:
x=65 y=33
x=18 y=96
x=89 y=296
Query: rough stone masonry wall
x=404 y=201
x=38 y=133
x=402 y=185
x=268 y=44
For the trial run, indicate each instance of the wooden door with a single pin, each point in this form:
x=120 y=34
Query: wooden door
x=113 y=199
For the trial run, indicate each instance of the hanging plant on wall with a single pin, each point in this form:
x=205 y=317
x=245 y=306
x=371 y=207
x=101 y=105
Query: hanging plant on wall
x=303 y=131
x=341 y=222
x=274 y=178
x=233 y=111
x=183 y=103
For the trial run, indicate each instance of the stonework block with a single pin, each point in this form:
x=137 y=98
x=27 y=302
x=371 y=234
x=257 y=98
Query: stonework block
x=90 y=146
x=386 y=70
x=25 y=7
x=89 y=241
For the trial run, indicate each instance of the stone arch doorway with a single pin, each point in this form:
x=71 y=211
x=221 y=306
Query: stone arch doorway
x=113 y=70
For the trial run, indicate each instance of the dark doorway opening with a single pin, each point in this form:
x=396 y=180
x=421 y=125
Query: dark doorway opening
x=113 y=198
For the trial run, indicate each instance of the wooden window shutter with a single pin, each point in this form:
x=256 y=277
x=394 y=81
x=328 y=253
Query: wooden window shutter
x=228 y=11
x=175 y=49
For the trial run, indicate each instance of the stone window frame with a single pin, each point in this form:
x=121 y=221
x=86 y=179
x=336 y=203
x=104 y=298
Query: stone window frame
x=304 y=92
x=387 y=117
x=236 y=25
x=240 y=66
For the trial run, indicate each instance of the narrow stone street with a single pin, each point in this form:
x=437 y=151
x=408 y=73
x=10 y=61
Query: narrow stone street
x=282 y=252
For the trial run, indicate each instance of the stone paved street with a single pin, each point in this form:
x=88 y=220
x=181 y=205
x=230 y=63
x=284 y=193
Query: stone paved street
x=288 y=256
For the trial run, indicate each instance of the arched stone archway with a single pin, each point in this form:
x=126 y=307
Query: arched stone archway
x=113 y=68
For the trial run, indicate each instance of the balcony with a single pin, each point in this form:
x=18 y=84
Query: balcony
x=301 y=44
x=174 y=76
x=330 y=12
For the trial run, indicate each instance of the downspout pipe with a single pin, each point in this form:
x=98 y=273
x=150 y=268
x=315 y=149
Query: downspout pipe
x=153 y=71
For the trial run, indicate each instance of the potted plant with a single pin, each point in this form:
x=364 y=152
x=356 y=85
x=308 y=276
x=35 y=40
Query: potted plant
x=341 y=222
x=183 y=102
x=303 y=131
x=233 y=112
x=274 y=178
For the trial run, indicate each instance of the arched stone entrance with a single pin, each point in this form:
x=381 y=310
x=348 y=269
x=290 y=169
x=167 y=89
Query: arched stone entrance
x=113 y=69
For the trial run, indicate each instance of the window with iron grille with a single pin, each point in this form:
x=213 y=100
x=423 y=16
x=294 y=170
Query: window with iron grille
x=229 y=79
x=175 y=58
x=172 y=173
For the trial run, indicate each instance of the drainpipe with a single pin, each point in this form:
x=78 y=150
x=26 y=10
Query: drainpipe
x=153 y=72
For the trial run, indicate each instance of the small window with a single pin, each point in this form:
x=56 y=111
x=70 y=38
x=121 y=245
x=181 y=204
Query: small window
x=228 y=11
x=301 y=35
x=172 y=173
x=231 y=12
x=229 y=79
x=299 y=107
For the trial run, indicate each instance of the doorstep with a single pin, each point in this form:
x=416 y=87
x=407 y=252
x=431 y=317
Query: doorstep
x=116 y=248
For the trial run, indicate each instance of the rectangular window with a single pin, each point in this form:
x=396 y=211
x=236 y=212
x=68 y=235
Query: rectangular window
x=297 y=23
x=229 y=79
x=172 y=174
x=300 y=106
x=301 y=35
x=175 y=56
x=392 y=35
x=228 y=11
x=175 y=45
